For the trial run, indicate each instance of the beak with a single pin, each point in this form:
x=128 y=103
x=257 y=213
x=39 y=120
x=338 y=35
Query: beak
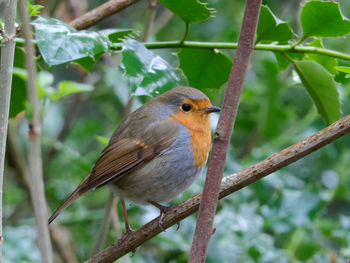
x=212 y=109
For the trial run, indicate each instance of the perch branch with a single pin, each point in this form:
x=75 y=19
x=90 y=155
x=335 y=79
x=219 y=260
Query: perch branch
x=229 y=185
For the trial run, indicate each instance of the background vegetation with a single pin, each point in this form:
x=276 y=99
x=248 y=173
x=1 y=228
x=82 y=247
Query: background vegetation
x=298 y=214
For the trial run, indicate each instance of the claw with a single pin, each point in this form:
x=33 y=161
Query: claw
x=163 y=209
x=178 y=226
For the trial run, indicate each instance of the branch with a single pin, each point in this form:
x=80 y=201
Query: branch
x=229 y=185
x=34 y=148
x=95 y=15
x=222 y=137
x=7 y=54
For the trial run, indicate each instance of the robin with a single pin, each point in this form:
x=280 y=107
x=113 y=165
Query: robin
x=156 y=153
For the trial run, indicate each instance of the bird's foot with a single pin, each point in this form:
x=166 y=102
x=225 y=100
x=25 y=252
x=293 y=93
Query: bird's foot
x=128 y=232
x=163 y=209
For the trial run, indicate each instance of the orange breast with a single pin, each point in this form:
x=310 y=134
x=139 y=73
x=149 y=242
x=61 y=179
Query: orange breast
x=198 y=124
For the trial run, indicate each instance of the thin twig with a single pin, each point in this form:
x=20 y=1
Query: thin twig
x=7 y=54
x=229 y=45
x=34 y=148
x=151 y=13
x=60 y=236
x=222 y=137
x=229 y=185
x=95 y=15
x=102 y=233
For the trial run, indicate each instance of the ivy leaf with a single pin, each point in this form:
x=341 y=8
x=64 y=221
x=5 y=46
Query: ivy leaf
x=188 y=10
x=205 y=69
x=321 y=86
x=60 y=43
x=323 y=19
x=270 y=28
x=148 y=73
x=328 y=62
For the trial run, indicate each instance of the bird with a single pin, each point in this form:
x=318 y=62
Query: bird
x=156 y=153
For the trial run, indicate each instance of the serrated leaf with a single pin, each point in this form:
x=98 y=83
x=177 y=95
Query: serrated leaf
x=205 y=68
x=60 y=43
x=270 y=28
x=117 y=35
x=65 y=88
x=323 y=19
x=327 y=62
x=148 y=73
x=34 y=10
x=343 y=69
x=321 y=86
x=188 y=10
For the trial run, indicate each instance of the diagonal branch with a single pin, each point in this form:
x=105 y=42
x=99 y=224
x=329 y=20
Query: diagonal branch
x=95 y=15
x=229 y=185
x=222 y=137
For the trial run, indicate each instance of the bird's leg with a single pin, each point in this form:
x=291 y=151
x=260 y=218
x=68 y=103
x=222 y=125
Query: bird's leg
x=163 y=209
x=128 y=229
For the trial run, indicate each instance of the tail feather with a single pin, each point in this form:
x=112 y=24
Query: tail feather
x=66 y=203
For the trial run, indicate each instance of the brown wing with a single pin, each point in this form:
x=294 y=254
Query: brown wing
x=123 y=155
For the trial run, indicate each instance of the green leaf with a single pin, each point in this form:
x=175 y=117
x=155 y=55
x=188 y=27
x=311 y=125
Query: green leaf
x=148 y=73
x=44 y=80
x=188 y=10
x=19 y=60
x=60 y=43
x=323 y=19
x=18 y=91
x=322 y=88
x=328 y=62
x=34 y=10
x=283 y=63
x=103 y=140
x=117 y=35
x=205 y=68
x=343 y=69
x=66 y=88
x=270 y=28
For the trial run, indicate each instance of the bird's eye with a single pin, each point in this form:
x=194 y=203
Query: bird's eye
x=186 y=107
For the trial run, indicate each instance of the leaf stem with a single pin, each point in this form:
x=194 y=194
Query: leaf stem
x=228 y=45
x=187 y=31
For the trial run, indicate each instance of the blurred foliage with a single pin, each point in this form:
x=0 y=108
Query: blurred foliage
x=298 y=214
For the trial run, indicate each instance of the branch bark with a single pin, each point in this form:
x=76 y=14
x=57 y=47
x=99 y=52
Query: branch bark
x=7 y=55
x=34 y=148
x=229 y=185
x=95 y=15
x=222 y=137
